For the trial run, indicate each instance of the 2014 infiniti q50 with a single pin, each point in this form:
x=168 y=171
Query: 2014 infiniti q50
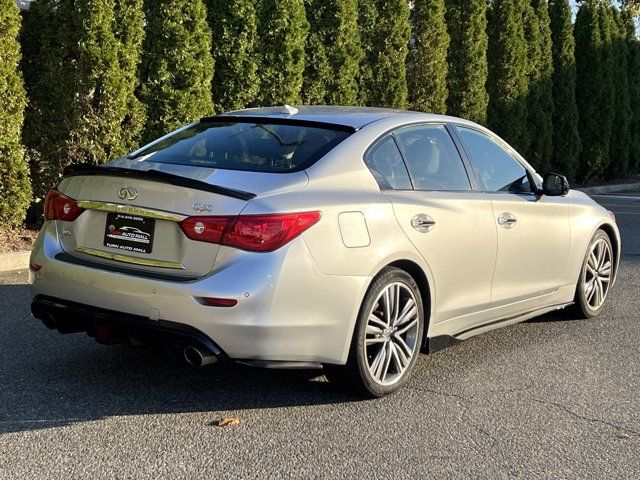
x=337 y=237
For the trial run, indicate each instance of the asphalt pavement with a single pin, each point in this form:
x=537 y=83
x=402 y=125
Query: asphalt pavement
x=550 y=398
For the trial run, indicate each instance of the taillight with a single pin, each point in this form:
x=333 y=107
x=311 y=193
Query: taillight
x=60 y=207
x=256 y=233
x=265 y=233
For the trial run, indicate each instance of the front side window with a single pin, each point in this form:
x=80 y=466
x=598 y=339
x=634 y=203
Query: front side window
x=235 y=145
x=432 y=158
x=386 y=165
x=495 y=168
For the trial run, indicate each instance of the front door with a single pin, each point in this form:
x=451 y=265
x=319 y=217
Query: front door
x=533 y=232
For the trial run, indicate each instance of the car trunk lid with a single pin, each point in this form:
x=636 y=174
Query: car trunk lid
x=133 y=212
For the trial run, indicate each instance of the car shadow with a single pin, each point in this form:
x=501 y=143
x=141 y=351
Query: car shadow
x=564 y=315
x=48 y=379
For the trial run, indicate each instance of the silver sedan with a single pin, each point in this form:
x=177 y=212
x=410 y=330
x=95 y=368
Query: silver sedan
x=343 y=238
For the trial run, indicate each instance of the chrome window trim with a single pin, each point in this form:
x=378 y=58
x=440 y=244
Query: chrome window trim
x=459 y=147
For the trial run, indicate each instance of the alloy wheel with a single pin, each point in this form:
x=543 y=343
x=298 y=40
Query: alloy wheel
x=597 y=274
x=391 y=333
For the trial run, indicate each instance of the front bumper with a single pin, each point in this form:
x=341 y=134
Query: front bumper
x=287 y=310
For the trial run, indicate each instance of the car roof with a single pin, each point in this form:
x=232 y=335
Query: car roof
x=353 y=117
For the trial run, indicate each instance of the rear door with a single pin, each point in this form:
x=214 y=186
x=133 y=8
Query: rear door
x=534 y=237
x=448 y=223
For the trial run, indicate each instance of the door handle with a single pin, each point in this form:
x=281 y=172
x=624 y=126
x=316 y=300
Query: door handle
x=423 y=223
x=507 y=220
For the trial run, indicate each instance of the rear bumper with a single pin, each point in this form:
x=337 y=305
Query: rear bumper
x=109 y=327
x=287 y=310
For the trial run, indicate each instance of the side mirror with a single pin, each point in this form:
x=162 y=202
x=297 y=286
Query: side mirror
x=554 y=185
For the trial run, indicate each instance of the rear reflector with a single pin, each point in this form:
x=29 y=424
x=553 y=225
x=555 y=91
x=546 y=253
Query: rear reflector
x=256 y=233
x=219 y=302
x=58 y=206
x=35 y=267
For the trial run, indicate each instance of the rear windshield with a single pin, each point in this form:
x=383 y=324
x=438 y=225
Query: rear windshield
x=258 y=147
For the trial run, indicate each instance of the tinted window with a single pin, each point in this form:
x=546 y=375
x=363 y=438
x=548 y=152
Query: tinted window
x=496 y=169
x=259 y=147
x=432 y=158
x=387 y=166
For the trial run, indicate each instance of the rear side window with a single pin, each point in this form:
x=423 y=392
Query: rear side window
x=496 y=169
x=257 y=147
x=387 y=166
x=432 y=158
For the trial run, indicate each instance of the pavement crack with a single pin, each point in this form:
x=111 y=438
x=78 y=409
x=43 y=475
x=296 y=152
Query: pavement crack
x=483 y=431
x=620 y=428
x=464 y=401
x=506 y=391
x=470 y=398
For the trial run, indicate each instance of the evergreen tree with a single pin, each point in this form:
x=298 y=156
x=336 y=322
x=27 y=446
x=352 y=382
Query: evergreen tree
x=81 y=68
x=235 y=79
x=595 y=92
x=107 y=116
x=367 y=20
x=508 y=72
x=566 y=139
x=129 y=32
x=427 y=60
x=631 y=6
x=177 y=66
x=49 y=66
x=540 y=98
x=608 y=58
x=621 y=136
x=283 y=30
x=15 y=188
x=633 y=75
x=594 y=118
x=317 y=70
x=333 y=53
x=385 y=32
x=467 y=59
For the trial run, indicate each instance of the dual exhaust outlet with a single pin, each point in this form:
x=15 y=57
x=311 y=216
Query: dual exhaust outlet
x=198 y=357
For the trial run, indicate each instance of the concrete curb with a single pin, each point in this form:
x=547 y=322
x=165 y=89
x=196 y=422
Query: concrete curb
x=14 y=261
x=610 y=188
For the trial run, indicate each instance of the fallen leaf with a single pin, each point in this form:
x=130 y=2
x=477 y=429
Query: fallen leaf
x=228 y=421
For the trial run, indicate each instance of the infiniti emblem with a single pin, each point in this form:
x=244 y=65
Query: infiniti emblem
x=128 y=193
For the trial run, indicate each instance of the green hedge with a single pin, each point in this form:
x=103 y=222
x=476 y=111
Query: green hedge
x=102 y=76
x=15 y=188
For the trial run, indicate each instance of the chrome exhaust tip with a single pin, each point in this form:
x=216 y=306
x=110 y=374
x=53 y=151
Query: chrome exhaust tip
x=49 y=321
x=197 y=358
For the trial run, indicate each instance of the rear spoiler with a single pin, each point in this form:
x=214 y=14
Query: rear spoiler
x=156 y=175
x=229 y=118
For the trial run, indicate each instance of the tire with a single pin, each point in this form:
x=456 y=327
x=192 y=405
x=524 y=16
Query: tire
x=595 y=278
x=384 y=349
